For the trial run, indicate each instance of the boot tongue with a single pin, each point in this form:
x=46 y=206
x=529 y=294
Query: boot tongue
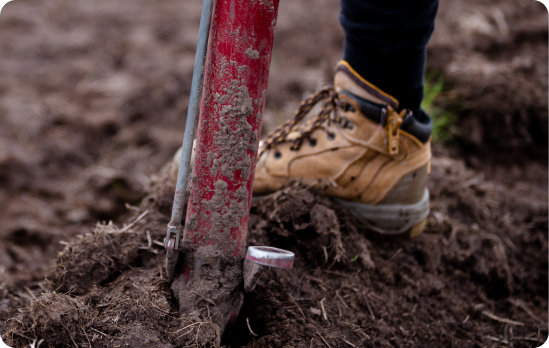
x=346 y=79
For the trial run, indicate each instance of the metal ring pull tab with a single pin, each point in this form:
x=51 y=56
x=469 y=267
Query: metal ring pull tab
x=259 y=257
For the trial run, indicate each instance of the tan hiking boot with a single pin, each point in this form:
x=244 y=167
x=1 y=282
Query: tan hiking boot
x=349 y=142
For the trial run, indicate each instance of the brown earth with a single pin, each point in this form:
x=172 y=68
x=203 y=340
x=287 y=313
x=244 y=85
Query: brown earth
x=92 y=103
x=493 y=55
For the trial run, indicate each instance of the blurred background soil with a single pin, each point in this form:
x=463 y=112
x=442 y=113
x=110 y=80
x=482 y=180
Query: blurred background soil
x=93 y=98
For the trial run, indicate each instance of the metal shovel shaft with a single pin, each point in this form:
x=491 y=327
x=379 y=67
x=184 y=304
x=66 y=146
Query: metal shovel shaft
x=235 y=81
x=174 y=226
x=209 y=274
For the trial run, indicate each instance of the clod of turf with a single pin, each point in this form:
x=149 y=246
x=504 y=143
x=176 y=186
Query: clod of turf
x=96 y=258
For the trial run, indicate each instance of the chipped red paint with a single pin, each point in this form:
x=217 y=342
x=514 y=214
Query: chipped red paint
x=239 y=56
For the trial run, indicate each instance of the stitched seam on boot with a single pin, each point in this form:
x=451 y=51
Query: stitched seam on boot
x=365 y=179
x=368 y=87
x=380 y=187
x=352 y=172
x=315 y=155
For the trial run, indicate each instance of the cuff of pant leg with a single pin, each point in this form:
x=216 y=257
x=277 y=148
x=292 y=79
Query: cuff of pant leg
x=399 y=74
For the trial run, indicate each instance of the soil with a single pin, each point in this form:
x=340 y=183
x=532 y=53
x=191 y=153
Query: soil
x=492 y=54
x=93 y=98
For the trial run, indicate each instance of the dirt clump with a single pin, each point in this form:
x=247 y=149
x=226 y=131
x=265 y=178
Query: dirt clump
x=445 y=285
x=95 y=258
x=133 y=311
x=305 y=222
x=117 y=295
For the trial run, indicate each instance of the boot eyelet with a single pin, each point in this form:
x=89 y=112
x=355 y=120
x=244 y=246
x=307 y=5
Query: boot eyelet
x=331 y=136
x=350 y=126
x=277 y=155
x=312 y=142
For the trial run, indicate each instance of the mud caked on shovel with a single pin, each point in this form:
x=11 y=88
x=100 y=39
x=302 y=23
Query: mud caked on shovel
x=210 y=265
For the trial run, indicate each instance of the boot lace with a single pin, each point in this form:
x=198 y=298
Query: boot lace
x=327 y=115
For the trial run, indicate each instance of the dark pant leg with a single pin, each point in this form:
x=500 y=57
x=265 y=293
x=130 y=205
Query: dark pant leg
x=385 y=42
